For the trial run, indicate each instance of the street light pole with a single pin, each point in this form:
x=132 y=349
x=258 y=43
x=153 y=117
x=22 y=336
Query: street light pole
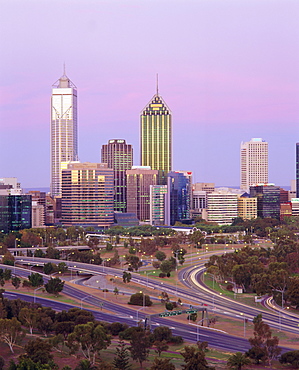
x=35 y=290
x=82 y=299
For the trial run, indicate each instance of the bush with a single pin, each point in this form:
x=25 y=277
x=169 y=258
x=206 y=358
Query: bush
x=116 y=328
x=139 y=299
x=127 y=334
x=176 y=339
x=162 y=275
x=169 y=306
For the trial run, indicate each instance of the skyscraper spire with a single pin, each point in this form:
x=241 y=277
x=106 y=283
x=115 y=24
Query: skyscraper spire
x=157 y=83
x=64 y=132
x=64 y=69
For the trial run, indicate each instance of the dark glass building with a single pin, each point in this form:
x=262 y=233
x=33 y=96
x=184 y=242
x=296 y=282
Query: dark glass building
x=180 y=196
x=119 y=156
x=268 y=200
x=15 y=212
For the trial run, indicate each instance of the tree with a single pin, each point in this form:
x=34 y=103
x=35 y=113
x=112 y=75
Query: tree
x=45 y=320
x=28 y=364
x=126 y=277
x=162 y=333
x=90 y=339
x=16 y=281
x=161 y=256
x=121 y=359
x=36 y=279
x=39 y=350
x=85 y=365
x=65 y=328
x=161 y=346
x=197 y=237
x=162 y=364
x=62 y=267
x=28 y=317
x=133 y=262
x=237 y=361
x=291 y=358
x=264 y=347
x=8 y=259
x=293 y=292
x=168 y=265
x=7 y=274
x=195 y=359
x=54 y=286
x=140 y=345
x=10 y=332
x=49 y=268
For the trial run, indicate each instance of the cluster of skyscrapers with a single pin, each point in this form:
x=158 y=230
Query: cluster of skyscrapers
x=113 y=190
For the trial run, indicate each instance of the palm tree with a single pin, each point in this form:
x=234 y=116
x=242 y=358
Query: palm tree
x=237 y=361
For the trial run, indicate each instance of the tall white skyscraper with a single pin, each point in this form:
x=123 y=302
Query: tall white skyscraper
x=254 y=163
x=64 y=133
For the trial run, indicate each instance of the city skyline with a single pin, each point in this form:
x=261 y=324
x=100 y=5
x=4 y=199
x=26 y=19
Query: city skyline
x=229 y=73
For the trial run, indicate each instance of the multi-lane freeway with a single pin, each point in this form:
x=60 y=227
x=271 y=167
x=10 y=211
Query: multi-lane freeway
x=194 y=291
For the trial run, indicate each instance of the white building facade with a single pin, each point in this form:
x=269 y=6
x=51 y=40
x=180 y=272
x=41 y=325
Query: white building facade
x=254 y=163
x=64 y=132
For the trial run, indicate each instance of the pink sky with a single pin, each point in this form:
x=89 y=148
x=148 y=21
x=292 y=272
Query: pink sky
x=228 y=70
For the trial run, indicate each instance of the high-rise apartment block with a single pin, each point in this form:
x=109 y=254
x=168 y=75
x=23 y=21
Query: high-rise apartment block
x=119 y=156
x=156 y=137
x=222 y=207
x=254 y=163
x=180 y=196
x=297 y=170
x=268 y=200
x=139 y=180
x=87 y=195
x=64 y=137
x=159 y=208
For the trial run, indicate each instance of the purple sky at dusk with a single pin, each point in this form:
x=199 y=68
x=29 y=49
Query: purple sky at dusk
x=228 y=70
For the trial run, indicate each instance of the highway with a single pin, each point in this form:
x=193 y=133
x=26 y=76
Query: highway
x=194 y=291
x=190 y=333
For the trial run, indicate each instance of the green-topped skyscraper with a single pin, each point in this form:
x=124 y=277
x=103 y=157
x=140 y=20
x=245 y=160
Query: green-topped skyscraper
x=156 y=137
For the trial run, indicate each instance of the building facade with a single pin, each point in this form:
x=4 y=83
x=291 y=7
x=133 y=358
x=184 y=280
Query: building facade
x=159 y=208
x=139 y=180
x=15 y=212
x=297 y=170
x=254 y=163
x=180 y=196
x=247 y=207
x=64 y=132
x=156 y=137
x=222 y=207
x=268 y=200
x=119 y=156
x=87 y=195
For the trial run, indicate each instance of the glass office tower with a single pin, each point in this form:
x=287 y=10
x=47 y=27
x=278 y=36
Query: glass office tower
x=156 y=137
x=64 y=137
